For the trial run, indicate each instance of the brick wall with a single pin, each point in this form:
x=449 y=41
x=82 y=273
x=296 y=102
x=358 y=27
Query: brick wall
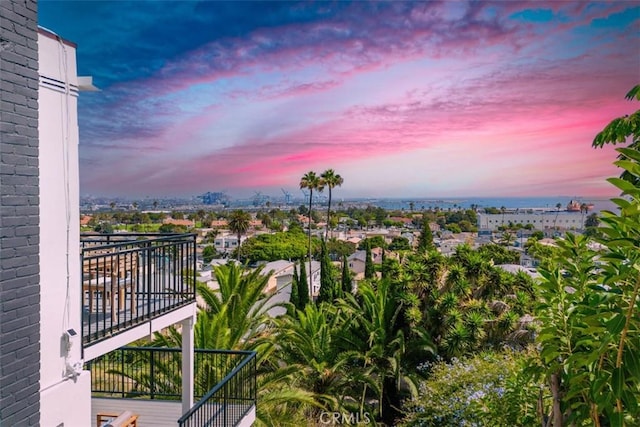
x=19 y=215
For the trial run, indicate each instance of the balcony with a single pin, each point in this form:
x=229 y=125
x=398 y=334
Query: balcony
x=132 y=279
x=147 y=381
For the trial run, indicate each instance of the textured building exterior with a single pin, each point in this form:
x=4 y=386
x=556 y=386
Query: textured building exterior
x=19 y=215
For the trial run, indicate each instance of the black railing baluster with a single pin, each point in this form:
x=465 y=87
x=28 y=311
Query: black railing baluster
x=122 y=364
x=153 y=376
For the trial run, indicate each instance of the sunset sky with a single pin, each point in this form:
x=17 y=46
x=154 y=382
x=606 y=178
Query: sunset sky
x=415 y=99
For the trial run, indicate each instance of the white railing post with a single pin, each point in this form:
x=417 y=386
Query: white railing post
x=187 y=364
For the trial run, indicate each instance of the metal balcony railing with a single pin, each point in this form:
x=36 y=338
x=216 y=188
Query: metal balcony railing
x=128 y=279
x=229 y=401
x=224 y=381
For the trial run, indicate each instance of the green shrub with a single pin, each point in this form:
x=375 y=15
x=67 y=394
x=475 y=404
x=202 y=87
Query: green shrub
x=486 y=389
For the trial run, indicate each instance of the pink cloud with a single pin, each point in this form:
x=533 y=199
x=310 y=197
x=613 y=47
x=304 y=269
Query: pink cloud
x=259 y=112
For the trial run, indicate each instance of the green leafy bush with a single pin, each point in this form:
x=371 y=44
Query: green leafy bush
x=486 y=389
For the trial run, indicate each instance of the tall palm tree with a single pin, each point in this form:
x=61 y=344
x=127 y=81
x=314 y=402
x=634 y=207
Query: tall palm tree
x=311 y=181
x=381 y=346
x=331 y=180
x=584 y=208
x=239 y=224
x=558 y=206
x=310 y=343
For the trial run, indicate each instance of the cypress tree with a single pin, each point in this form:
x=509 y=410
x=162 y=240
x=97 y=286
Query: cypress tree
x=303 y=287
x=347 y=287
x=425 y=241
x=294 y=298
x=327 y=284
x=369 y=271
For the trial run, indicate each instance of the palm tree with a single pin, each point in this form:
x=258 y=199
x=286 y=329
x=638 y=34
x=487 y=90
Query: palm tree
x=381 y=346
x=239 y=298
x=331 y=180
x=310 y=343
x=311 y=181
x=584 y=208
x=239 y=224
x=558 y=206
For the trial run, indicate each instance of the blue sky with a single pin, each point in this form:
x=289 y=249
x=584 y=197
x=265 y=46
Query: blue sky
x=413 y=99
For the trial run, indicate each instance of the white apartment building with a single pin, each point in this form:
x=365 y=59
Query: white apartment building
x=227 y=243
x=65 y=397
x=540 y=220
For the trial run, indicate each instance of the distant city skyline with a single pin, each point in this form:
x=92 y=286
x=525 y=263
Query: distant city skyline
x=415 y=99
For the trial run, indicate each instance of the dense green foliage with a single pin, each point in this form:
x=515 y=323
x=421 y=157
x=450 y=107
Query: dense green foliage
x=499 y=254
x=294 y=298
x=329 y=286
x=372 y=242
x=339 y=248
x=303 y=286
x=208 y=253
x=346 y=277
x=425 y=241
x=291 y=245
x=486 y=389
x=369 y=270
x=400 y=243
x=589 y=341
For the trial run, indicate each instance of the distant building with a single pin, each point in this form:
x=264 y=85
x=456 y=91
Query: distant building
x=227 y=243
x=401 y=219
x=281 y=274
x=447 y=247
x=358 y=259
x=314 y=277
x=256 y=223
x=219 y=223
x=540 y=220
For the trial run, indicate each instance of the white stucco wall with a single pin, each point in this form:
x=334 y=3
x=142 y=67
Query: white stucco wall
x=64 y=401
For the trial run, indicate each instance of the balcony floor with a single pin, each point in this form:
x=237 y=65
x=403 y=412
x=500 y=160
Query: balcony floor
x=103 y=323
x=153 y=413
